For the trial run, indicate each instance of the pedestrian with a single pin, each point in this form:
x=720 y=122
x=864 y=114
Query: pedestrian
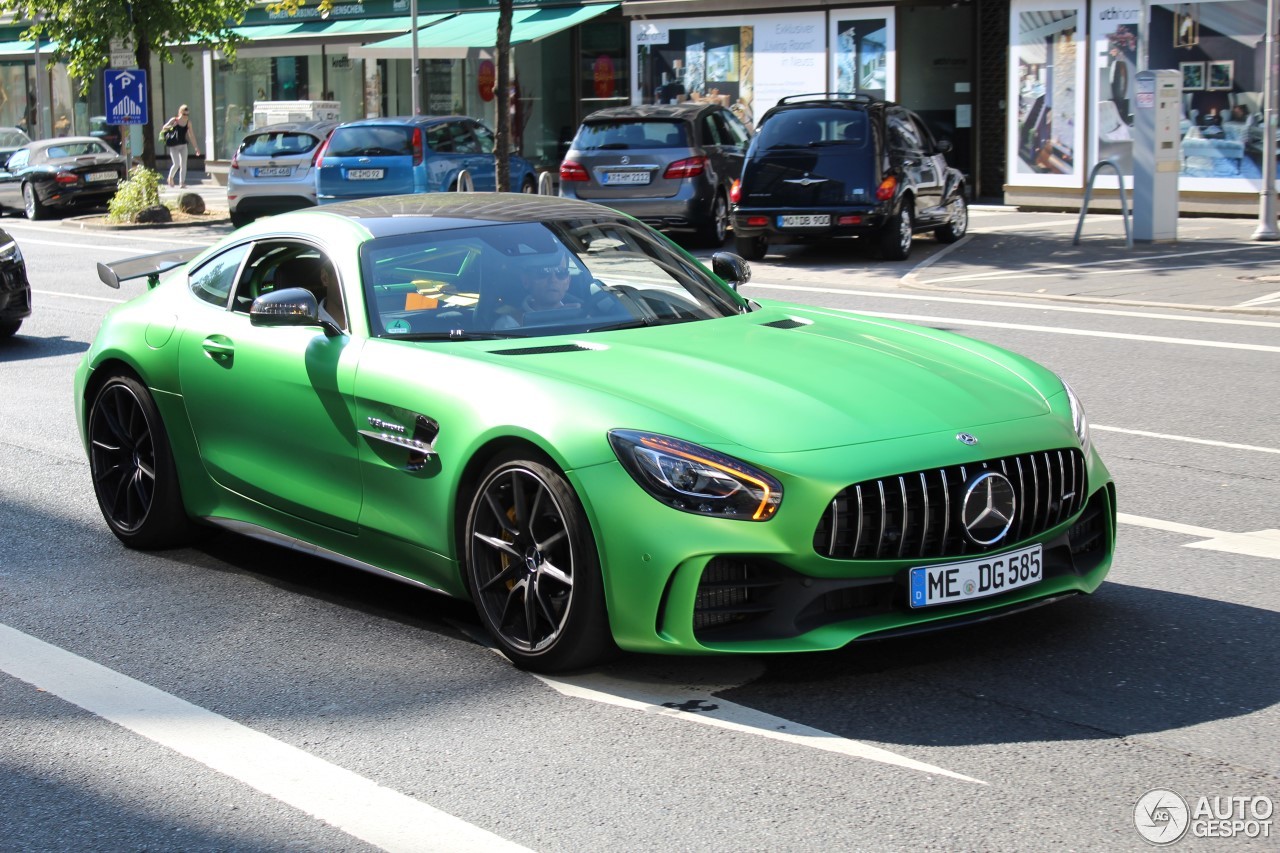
x=179 y=138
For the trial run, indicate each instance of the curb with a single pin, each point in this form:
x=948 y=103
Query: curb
x=94 y=223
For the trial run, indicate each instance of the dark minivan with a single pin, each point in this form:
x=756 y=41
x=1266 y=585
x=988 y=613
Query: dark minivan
x=670 y=166
x=837 y=165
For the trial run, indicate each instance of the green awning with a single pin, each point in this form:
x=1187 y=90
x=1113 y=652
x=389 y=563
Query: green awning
x=23 y=49
x=456 y=37
x=357 y=27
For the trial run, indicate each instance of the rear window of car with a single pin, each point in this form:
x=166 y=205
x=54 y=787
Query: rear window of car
x=631 y=134
x=282 y=144
x=73 y=149
x=371 y=141
x=805 y=128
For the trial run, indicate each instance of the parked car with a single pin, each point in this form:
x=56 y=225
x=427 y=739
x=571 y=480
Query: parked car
x=671 y=166
x=833 y=165
x=108 y=133
x=541 y=405
x=11 y=139
x=273 y=171
x=411 y=154
x=15 y=290
x=60 y=174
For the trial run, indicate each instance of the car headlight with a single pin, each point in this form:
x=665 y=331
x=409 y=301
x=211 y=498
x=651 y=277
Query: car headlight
x=696 y=479
x=10 y=252
x=1079 y=422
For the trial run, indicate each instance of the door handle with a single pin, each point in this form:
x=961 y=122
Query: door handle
x=219 y=347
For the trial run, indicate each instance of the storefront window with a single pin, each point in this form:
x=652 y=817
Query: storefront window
x=602 y=66
x=235 y=88
x=863 y=42
x=1046 y=81
x=747 y=64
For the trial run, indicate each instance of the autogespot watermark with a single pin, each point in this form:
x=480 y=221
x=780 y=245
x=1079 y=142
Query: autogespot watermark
x=1163 y=817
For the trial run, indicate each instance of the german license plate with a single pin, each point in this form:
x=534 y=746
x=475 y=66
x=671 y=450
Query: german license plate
x=273 y=171
x=365 y=174
x=632 y=177
x=971 y=579
x=102 y=176
x=805 y=220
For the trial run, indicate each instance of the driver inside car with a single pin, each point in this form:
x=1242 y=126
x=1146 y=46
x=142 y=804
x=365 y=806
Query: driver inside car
x=545 y=278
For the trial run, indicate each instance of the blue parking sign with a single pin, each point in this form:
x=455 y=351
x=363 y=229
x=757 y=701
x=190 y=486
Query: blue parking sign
x=126 y=95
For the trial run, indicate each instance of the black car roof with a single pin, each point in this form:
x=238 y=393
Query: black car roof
x=682 y=112
x=403 y=214
x=829 y=100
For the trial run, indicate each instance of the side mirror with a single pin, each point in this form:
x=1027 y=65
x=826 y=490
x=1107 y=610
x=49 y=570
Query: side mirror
x=732 y=268
x=291 y=306
x=942 y=146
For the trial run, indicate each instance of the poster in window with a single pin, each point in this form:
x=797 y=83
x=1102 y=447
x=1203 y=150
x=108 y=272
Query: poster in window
x=863 y=44
x=1046 y=83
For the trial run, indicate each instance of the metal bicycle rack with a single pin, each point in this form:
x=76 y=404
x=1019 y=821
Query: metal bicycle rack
x=465 y=184
x=1088 y=193
x=545 y=186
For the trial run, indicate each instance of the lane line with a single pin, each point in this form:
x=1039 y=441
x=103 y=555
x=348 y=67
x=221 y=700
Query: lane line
x=700 y=705
x=78 y=296
x=1256 y=543
x=1207 y=442
x=1026 y=306
x=201 y=239
x=27 y=241
x=353 y=804
x=926 y=320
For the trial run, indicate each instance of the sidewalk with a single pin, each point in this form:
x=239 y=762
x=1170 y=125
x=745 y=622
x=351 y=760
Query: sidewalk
x=1213 y=265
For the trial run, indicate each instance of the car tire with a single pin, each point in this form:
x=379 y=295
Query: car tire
x=957 y=222
x=529 y=187
x=752 y=248
x=239 y=220
x=9 y=328
x=713 y=231
x=895 y=238
x=35 y=209
x=134 y=475
x=532 y=567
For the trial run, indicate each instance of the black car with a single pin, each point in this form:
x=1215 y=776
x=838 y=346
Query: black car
x=60 y=173
x=15 y=291
x=670 y=166
x=836 y=165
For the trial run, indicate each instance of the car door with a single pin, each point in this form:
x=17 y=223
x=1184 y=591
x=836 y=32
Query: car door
x=731 y=146
x=11 y=180
x=477 y=144
x=916 y=161
x=271 y=407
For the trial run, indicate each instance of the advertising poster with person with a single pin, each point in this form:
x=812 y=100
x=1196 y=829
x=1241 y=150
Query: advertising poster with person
x=1117 y=28
x=1046 y=85
x=864 y=45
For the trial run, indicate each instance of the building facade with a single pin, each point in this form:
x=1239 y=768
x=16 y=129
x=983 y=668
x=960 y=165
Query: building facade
x=1031 y=93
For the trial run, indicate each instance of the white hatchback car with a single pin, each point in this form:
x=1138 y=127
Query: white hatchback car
x=273 y=170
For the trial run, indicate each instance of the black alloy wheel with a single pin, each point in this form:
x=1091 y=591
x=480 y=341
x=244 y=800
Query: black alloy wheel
x=895 y=239
x=134 y=476
x=533 y=568
x=957 y=221
x=713 y=231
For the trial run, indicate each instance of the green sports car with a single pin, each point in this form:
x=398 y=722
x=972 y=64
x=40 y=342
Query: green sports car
x=545 y=407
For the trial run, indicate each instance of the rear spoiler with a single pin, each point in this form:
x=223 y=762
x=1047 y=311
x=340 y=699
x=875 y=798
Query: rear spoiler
x=150 y=266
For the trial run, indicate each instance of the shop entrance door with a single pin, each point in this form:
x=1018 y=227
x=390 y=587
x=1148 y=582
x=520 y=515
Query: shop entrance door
x=937 y=74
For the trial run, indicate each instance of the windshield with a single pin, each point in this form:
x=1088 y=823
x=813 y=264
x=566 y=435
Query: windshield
x=624 y=135
x=807 y=128
x=532 y=279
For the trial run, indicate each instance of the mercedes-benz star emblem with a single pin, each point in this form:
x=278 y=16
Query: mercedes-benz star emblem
x=990 y=505
x=625 y=160
x=966 y=438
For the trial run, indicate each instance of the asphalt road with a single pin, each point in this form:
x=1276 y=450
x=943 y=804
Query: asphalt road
x=240 y=697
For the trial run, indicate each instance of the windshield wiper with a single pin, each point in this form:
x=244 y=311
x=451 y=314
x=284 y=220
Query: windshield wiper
x=453 y=335
x=643 y=322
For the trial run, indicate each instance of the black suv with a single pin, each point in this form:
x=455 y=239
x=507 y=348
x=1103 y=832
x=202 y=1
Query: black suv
x=832 y=165
x=671 y=166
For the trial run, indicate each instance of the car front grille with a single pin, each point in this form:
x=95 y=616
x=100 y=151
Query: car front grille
x=918 y=515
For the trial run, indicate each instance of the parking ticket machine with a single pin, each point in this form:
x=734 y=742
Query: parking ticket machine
x=1157 y=157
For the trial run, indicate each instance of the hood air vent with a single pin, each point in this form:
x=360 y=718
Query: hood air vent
x=787 y=323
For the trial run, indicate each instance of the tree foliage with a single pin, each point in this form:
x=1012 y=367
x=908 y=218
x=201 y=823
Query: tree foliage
x=82 y=32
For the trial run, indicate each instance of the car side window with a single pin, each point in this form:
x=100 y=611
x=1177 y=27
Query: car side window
x=212 y=281
x=440 y=139
x=19 y=159
x=926 y=138
x=484 y=138
x=279 y=264
x=464 y=142
x=734 y=129
x=711 y=131
x=903 y=136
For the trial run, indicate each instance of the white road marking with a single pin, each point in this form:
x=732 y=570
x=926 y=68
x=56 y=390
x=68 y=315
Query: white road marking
x=1028 y=306
x=701 y=705
x=1259 y=543
x=1164 y=436
x=694 y=705
x=130 y=236
x=1262 y=300
x=77 y=296
x=1026 y=225
x=925 y=319
x=353 y=804
x=27 y=241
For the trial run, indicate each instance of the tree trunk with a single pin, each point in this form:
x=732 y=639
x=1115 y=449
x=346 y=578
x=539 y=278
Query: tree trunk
x=143 y=56
x=502 y=99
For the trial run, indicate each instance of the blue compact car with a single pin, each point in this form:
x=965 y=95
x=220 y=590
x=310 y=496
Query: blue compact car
x=411 y=154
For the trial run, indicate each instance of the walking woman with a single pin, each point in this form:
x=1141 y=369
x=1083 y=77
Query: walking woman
x=179 y=138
